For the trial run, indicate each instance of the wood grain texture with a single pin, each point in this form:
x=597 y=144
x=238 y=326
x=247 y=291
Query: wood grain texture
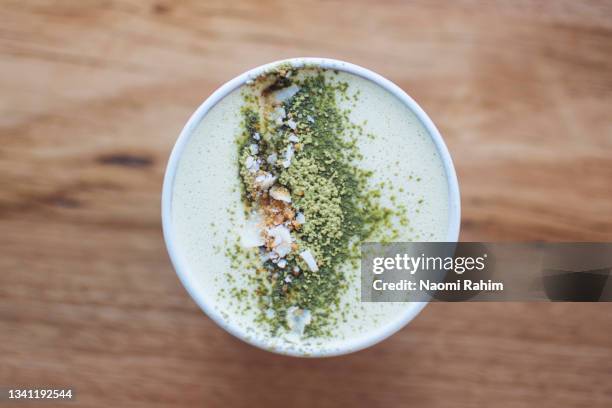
x=94 y=93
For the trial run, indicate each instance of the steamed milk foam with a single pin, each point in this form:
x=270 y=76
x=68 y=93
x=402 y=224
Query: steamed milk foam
x=208 y=215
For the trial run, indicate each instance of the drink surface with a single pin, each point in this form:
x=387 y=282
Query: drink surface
x=208 y=214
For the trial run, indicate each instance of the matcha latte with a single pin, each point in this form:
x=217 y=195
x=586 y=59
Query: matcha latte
x=278 y=183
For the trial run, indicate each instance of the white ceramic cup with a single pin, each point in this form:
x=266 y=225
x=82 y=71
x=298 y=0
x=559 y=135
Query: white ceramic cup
x=181 y=267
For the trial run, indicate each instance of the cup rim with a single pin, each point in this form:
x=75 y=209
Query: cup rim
x=179 y=264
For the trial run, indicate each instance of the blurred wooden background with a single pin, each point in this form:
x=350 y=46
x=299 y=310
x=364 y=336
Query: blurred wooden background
x=93 y=95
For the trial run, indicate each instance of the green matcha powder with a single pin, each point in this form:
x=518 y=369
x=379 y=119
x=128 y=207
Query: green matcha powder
x=340 y=209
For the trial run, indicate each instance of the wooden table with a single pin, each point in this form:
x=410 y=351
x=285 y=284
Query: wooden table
x=94 y=94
